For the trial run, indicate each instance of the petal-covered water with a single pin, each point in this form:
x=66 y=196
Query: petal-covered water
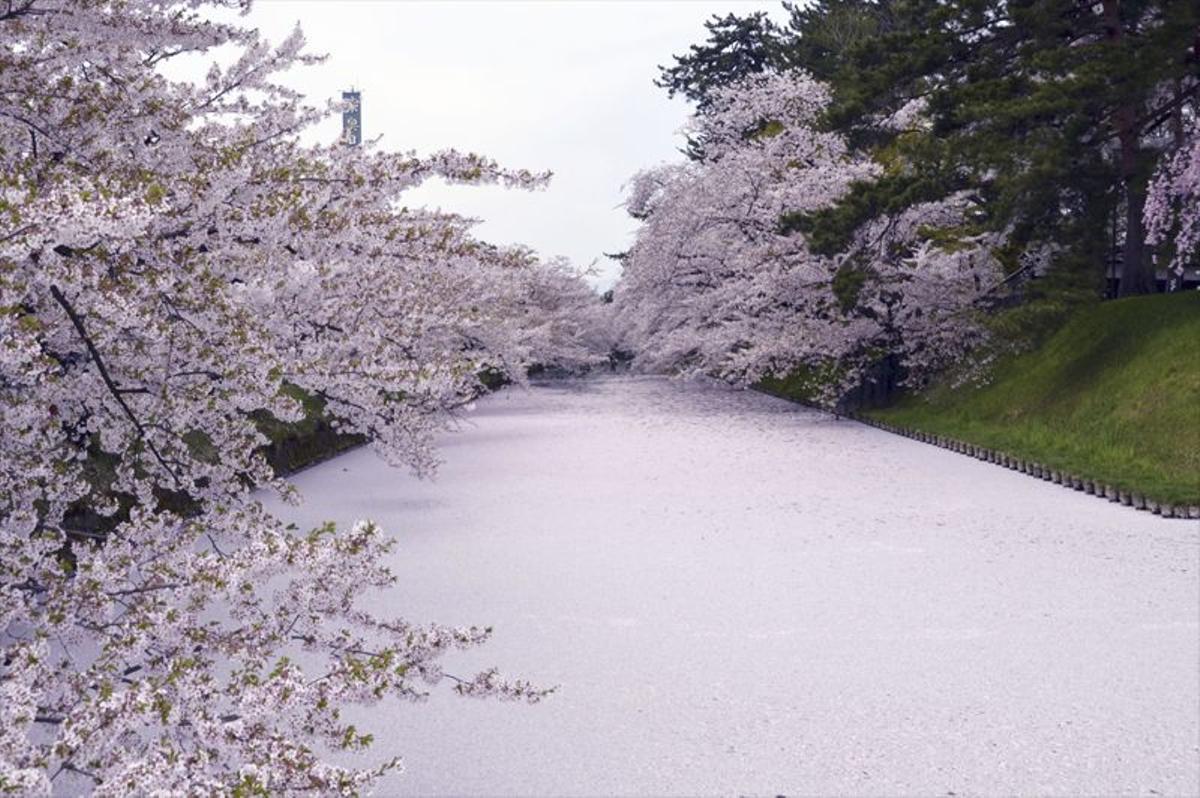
x=741 y=596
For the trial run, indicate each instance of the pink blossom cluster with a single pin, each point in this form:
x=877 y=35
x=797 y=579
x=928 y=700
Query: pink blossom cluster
x=171 y=258
x=715 y=284
x=1172 y=211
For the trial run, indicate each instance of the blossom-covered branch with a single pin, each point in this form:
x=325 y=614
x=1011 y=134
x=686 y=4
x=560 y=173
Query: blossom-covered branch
x=172 y=257
x=716 y=283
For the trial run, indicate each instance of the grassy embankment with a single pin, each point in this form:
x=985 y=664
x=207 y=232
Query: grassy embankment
x=1113 y=395
x=306 y=442
x=313 y=439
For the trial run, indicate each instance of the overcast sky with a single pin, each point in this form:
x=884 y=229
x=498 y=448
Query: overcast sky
x=564 y=86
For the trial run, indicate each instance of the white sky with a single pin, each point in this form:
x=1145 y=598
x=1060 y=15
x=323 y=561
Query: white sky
x=564 y=86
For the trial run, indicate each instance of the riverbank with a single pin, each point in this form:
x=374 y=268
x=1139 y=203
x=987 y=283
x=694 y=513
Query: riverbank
x=1113 y=396
x=1111 y=399
x=295 y=446
x=298 y=445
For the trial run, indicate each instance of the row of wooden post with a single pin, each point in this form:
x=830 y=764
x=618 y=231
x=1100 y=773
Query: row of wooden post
x=1058 y=477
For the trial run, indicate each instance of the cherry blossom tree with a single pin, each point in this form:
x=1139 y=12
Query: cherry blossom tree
x=565 y=325
x=171 y=257
x=711 y=277
x=1172 y=213
x=715 y=284
x=919 y=275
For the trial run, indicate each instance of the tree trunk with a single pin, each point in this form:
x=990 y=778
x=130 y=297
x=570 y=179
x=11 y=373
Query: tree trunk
x=1137 y=274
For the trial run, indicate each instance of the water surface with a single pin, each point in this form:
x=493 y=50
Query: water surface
x=741 y=596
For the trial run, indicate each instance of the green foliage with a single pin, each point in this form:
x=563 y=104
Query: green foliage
x=799 y=385
x=311 y=440
x=829 y=231
x=808 y=384
x=155 y=194
x=847 y=284
x=1027 y=98
x=826 y=35
x=250 y=787
x=493 y=379
x=1071 y=286
x=768 y=129
x=292 y=446
x=916 y=168
x=1112 y=395
x=736 y=48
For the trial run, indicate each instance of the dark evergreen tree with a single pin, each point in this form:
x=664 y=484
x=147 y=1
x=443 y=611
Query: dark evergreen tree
x=1057 y=109
x=1055 y=112
x=825 y=36
x=736 y=47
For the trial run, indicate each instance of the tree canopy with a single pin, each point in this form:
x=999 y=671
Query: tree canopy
x=1056 y=112
x=174 y=263
x=983 y=144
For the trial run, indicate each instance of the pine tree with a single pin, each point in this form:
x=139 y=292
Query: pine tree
x=1058 y=109
x=736 y=48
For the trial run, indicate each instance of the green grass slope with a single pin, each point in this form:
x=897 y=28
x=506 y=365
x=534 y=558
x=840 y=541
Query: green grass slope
x=1114 y=395
x=312 y=440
